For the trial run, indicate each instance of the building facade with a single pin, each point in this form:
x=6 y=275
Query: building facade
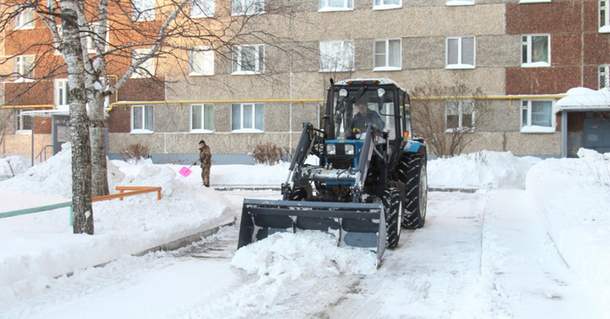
x=523 y=55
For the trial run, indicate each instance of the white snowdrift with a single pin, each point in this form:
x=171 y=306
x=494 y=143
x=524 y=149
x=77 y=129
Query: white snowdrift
x=42 y=244
x=571 y=192
x=576 y=202
x=483 y=169
x=281 y=264
x=13 y=165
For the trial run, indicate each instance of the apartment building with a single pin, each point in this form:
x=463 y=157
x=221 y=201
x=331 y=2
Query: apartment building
x=523 y=55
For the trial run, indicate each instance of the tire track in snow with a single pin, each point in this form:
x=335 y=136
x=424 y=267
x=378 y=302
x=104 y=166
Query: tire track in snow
x=522 y=274
x=424 y=277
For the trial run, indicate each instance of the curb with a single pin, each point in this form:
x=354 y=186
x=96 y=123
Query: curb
x=453 y=189
x=185 y=241
x=178 y=243
x=223 y=188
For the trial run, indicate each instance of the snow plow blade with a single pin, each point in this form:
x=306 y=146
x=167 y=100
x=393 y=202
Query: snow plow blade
x=353 y=224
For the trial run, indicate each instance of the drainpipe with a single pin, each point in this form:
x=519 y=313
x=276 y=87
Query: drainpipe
x=290 y=79
x=32 y=121
x=564 y=133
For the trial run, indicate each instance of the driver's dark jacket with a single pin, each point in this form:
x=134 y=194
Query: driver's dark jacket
x=371 y=116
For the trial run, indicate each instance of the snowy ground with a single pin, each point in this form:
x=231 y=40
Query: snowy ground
x=531 y=243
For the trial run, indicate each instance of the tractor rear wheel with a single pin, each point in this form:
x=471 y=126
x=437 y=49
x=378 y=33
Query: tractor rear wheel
x=392 y=206
x=413 y=174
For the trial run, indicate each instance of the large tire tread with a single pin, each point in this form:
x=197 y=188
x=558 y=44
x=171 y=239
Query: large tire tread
x=412 y=172
x=392 y=205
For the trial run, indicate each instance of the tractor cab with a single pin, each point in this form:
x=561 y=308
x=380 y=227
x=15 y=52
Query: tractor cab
x=355 y=106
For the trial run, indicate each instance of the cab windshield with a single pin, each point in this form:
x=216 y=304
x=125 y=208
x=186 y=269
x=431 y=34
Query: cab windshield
x=357 y=110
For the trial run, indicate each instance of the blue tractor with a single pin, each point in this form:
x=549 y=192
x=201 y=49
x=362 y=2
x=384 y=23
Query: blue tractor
x=362 y=177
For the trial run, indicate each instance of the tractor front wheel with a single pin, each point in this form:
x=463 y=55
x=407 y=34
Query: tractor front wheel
x=413 y=175
x=392 y=205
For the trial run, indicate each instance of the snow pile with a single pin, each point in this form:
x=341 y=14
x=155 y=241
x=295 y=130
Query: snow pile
x=575 y=203
x=54 y=176
x=13 y=165
x=282 y=264
x=267 y=276
x=484 y=169
x=301 y=255
x=599 y=164
x=42 y=244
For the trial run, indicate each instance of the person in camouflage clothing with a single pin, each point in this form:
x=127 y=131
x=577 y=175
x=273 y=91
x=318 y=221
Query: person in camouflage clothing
x=205 y=157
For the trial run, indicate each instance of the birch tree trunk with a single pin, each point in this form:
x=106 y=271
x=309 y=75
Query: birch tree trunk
x=99 y=181
x=79 y=122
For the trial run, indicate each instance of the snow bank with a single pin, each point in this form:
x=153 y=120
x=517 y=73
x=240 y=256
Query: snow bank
x=571 y=194
x=484 y=169
x=13 y=165
x=42 y=244
x=304 y=254
x=54 y=176
x=258 y=174
x=282 y=264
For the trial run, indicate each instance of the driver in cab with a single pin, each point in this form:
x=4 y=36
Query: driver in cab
x=366 y=116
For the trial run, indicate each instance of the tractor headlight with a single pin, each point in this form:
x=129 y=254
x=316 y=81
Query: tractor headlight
x=349 y=149
x=331 y=149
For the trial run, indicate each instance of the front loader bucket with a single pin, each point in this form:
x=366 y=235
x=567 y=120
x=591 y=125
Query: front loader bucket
x=353 y=224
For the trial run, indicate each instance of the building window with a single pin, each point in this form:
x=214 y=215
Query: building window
x=460 y=53
x=336 y=5
x=62 y=93
x=23 y=122
x=201 y=61
x=386 y=4
x=248 y=59
x=387 y=55
x=604 y=17
x=336 y=56
x=248 y=7
x=142 y=118
x=23 y=68
x=459 y=116
x=604 y=72
x=460 y=2
x=537 y=116
x=535 y=50
x=146 y=69
x=202 y=118
x=202 y=8
x=247 y=117
x=95 y=28
x=143 y=10
x=25 y=18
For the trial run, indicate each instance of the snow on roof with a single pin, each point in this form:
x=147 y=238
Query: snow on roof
x=584 y=99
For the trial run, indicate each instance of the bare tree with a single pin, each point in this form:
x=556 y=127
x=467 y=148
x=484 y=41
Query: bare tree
x=5 y=118
x=447 y=116
x=97 y=41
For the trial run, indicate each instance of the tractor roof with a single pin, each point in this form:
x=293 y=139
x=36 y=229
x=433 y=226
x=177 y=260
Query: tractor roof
x=376 y=81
